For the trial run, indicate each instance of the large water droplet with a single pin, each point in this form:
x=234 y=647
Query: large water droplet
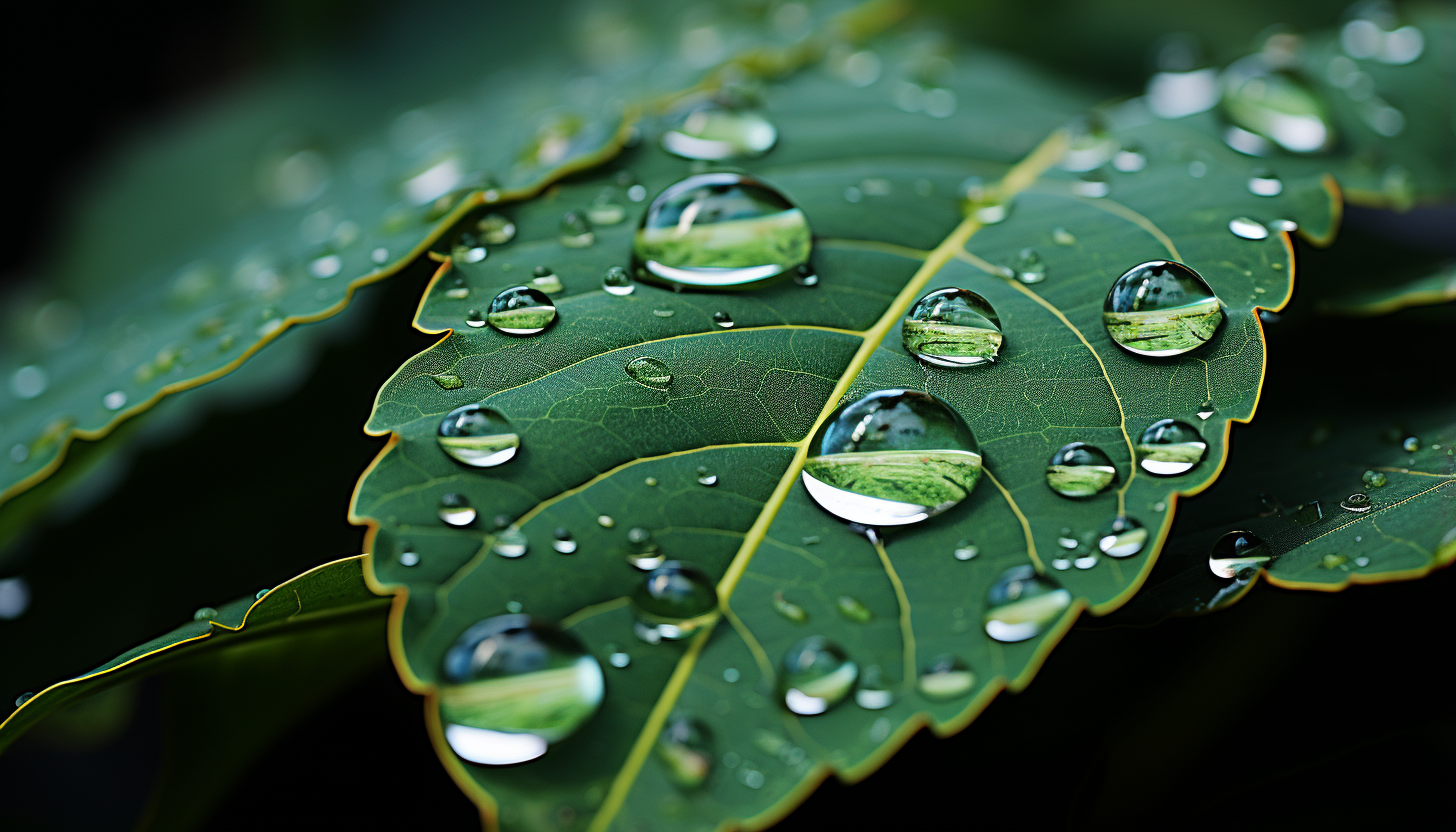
x=1080 y=470
x=893 y=457
x=1023 y=603
x=713 y=131
x=478 y=436
x=685 y=749
x=513 y=686
x=643 y=551
x=673 y=602
x=1237 y=551
x=455 y=510
x=1161 y=308
x=952 y=328
x=649 y=372
x=874 y=691
x=1169 y=448
x=1248 y=229
x=521 y=310
x=510 y=542
x=947 y=677
x=1275 y=105
x=1122 y=537
x=817 y=675
x=720 y=230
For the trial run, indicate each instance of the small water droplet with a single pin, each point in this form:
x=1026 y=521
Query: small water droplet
x=576 y=230
x=325 y=266
x=455 y=510
x=1161 y=308
x=468 y=251
x=521 y=310
x=1092 y=185
x=649 y=372
x=804 y=275
x=705 y=477
x=1206 y=410
x=890 y=458
x=1362 y=560
x=713 y=131
x=1170 y=447
x=1129 y=160
x=751 y=777
x=853 y=609
x=457 y=292
x=720 y=230
x=788 y=609
x=1022 y=604
x=448 y=381
x=1248 y=229
x=651 y=482
x=510 y=542
x=1275 y=105
x=730 y=674
x=605 y=521
x=546 y=280
x=723 y=320
x=513 y=686
x=946 y=677
x=952 y=328
x=563 y=542
x=23 y=698
x=1359 y=503
x=204 y=614
x=1411 y=444
x=616 y=657
x=260 y=593
x=1265 y=183
x=19 y=453
x=618 y=282
x=409 y=558
x=115 y=400
x=605 y=209
x=817 y=675
x=1080 y=470
x=685 y=750
x=1122 y=537
x=28 y=382
x=473 y=318
x=1090 y=145
x=674 y=601
x=965 y=550
x=1063 y=237
x=643 y=551
x=379 y=256
x=874 y=691
x=1237 y=551
x=664 y=313
x=478 y=436
x=1061 y=563
x=496 y=229
x=1376 y=33
x=1373 y=479
x=1197 y=169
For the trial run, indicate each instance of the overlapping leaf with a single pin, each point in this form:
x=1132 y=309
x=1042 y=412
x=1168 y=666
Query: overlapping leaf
x=601 y=454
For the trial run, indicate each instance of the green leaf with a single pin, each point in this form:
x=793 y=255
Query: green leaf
x=330 y=595
x=601 y=454
x=1414 y=284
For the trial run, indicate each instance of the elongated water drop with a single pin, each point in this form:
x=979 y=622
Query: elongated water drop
x=1237 y=551
x=1274 y=105
x=455 y=510
x=618 y=282
x=720 y=231
x=1080 y=470
x=1122 y=537
x=1063 y=237
x=853 y=609
x=965 y=550
x=1358 y=503
x=1161 y=308
x=788 y=609
x=204 y=614
x=513 y=686
x=1248 y=229
x=817 y=675
x=673 y=602
x=649 y=372
x=685 y=749
x=643 y=551
x=1170 y=447
x=952 y=328
x=893 y=457
x=478 y=436
x=1022 y=604
x=521 y=310
x=713 y=131
x=946 y=677
x=1265 y=183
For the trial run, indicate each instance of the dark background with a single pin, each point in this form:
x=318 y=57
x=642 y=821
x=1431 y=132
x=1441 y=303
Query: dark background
x=1291 y=710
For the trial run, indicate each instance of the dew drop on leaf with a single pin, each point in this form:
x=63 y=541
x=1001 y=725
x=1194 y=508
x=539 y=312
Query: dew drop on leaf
x=874 y=692
x=649 y=372
x=1022 y=604
x=890 y=458
x=455 y=510
x=965 y=550
x=1161 y=308
x=1265 y=183
x=521 y=310
x=713 y=131
x=1237 y=551
x=723 y=320
x=563 y=542
x=1080 y=470
x=204 y=614
x=1063 y=237
x=1374 y=479
x=1129 y=160
x=478 y=436
x=1358 y=503
x=618 y=282
x=605 y=209
x=674 y=601
x=1248 y=229
x=1029 y=266
x=510 y=542
x=1276 y=106
x=706 y=477
x=817 y=675
x=1122 y=537
x=685 y=750
x=853 y=609
x=496 y=229
x=115 y=400
x=952 y=328
x=1170 y=447
x=788 y=609
x=546 y=280
x=946 y=677
x=576 y=230
x=643 y=551
x=474 y=319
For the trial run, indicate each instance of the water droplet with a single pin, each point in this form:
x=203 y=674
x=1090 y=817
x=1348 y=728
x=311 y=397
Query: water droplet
x=952 y=328
x=1161 y=308
x=23 y=698
x=521 y=310
x=1123 y=537
x=510 y=542
x=705 y=477
x=563 y=542
x=513 y=686
x=468 y=251
x=115 y=400
x=496 y=229
x=455 y=510
x=1080 y=470
x=649 y=372
x=325 y=266
x=751 y=777
x=473 y=318
x=617 y=657
x=606 y=522
x=788 y=609
x=1359 y=503
x=546 y=280
x=874 y=691
x=1373 y=479
x=1129 y=160
x=409 y=558
x=1183 y=84
x=1090 y=145
x=618 y=282
x=379 y=256
x=664 y=313
x=651 y=482
x=730 y=674
x=260 y=593
x=643 y=551
x=19 y=453
x=448 y=381
x=817 y=675
x=685 y=750
x=1362 y=561
x=720 y=230
x=576 y=230
x=1092 y=185
x=1022 y=604
x=713 y=131
x=28 y=382
x=965 y=550
x=1206 y=410
x=1275 y=105
x=1411 y=444
x=890 y=458
x=723 y=320
x=1237 y=551
x=605 y=209
x=947 y=677
x=1376 y=33
x=1265 y=183
x=204 y=614
x=1063 y=237
x=674 y=601
x=478 y=436
x=1169 y=448
x=1248 y=229
x=853 y=609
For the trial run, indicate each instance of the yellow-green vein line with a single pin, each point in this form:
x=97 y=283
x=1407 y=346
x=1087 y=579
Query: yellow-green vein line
x=907 y=631
x=590 y=611
x=1020 y=518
